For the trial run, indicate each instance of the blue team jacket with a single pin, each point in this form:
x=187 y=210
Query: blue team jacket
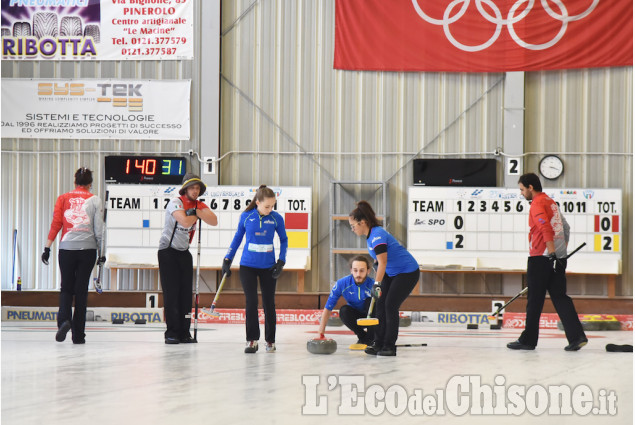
x=353 y=294
x=259 y=231
x=399 y=259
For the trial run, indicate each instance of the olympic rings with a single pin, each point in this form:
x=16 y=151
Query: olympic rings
x=498 y=20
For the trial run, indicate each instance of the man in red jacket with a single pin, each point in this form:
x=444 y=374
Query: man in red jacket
x=546 y=266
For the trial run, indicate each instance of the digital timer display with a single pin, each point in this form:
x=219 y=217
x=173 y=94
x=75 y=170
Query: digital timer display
x=145 y=169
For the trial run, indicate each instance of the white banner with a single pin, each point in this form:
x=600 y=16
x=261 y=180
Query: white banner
x=97 y=29
x=96 y=109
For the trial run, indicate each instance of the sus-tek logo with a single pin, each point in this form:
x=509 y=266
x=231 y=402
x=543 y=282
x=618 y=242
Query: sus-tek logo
x=121 y=95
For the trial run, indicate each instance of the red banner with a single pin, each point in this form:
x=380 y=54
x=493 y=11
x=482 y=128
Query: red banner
x=482 y=35
x=550 y=320
x=283 y=317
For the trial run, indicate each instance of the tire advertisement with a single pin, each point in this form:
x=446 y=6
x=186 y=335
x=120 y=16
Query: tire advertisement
x=97 y=29
x=96 y=109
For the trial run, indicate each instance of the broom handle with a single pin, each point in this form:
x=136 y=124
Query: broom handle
x=220 y=288
x=370 y=309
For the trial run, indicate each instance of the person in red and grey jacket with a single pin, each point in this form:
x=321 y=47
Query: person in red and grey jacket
x=175 y=259
x=546 y=266
x=78 y=214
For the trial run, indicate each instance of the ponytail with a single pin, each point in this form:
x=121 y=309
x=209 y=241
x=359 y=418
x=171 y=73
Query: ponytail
x=262 y=193
x=365 y=212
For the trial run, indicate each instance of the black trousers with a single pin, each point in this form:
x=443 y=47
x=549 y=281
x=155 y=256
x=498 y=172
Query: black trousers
x=349 y=316
x=175 y=269
x=394 y=291
x=249 y=279
x=75 y=267
x=540 y=279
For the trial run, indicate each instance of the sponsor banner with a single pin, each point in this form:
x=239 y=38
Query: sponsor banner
x=283 y=317
x=478 y=36
x=29 y=314
x=96 y=314
x=550 y=320
x=447 y=318
x=130 y=315
x=517 y=321
x=302 y=317
x=97 y=29
x=312 y=317
x=96 y=109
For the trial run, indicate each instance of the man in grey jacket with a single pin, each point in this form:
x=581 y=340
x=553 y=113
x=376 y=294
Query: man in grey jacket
x=175 y=260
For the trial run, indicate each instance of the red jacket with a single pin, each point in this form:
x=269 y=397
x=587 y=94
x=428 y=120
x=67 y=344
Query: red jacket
x=546 y=223
x=78 y=214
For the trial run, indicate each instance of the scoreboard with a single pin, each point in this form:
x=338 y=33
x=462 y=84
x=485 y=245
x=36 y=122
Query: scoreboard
x=136 y=216
x=484 y=228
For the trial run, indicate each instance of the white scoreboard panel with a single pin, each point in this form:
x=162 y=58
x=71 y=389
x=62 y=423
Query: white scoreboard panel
x=136 y=216
x=474 y=228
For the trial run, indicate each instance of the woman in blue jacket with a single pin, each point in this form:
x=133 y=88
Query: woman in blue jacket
x=258 y=223
x=397 y=275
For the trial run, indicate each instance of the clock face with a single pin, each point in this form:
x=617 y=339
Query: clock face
x=551 y=167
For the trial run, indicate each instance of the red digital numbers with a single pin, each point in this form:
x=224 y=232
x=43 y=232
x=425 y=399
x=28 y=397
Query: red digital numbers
x=147 y=167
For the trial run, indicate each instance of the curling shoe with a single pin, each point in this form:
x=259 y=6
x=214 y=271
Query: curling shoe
x=252 y=347
x=270 y=347
x=171 y=340
x=188 y=340
x=387 y=352
x=517 y=345
x=62 y=331
x=372 y=350
x=575 y=346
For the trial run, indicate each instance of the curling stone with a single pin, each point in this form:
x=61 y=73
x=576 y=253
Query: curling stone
x=597 y=325
x=405 y=321
x=321 y=345
x=335 y=321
